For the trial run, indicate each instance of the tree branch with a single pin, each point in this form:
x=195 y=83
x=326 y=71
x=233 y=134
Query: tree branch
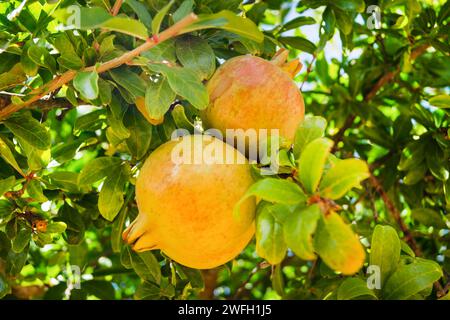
x=114 y=63
x=116 y=8
x=386 y=78
x=390 y=206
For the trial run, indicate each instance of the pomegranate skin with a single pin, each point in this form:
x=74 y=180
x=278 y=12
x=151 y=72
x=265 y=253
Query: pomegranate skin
x=248 y=92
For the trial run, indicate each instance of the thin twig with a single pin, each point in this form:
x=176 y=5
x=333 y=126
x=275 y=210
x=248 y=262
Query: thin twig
x=116 y=8
x=386 y=78
x=308 y=71
x=114 y=63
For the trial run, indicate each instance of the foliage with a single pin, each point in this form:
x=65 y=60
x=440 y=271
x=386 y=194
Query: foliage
x=82 y=107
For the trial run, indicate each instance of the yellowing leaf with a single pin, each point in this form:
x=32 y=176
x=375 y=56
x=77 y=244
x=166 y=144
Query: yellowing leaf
x=337 y=245
x=342 y=177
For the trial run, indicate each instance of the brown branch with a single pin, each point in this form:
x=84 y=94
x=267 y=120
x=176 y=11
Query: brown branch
x=116 y=8
x=390 y=206
x=255 y=270
x=385 y=79
x=114 y=63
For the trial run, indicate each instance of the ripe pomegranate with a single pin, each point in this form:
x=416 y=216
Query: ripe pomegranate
x=248 y=92
x=186 y=207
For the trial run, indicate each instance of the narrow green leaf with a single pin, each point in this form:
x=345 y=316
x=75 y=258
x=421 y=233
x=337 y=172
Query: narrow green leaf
x=440 y=101
x=298 y=231
x=8 y=156
x=227 y=20
x=65 y=180
x=127 y=26
x=299 y=43
x=158 y=19
x=183 y=10
x=297 y=22
x=342 y=177
x=140 y=133
x=385 y=250
x=312 y=161
x=110 y=199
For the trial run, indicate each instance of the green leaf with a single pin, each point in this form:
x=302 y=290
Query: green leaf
x=69 y=57
x=141 y=10
x=41 y=57
x=183 y=10
x=385 y=250
x=86 y=83
x=13 y=77
x=23 y=125
x=56 y=227
x=35 y=191
x=344 y=22
x=311 y=128
x=342 y=177
x=312 y=162
x=127 y=26
x=354 y=288
x=96 y=17
x=66 y=180
x=277 y=280
x=74 y=233
x=299 y=43
x=8 y=156
x=129 y=80
x=428 y=217
x=145 y=264
x=158 y=19
x=185 y=83
x=299 y=228
x=158 y=98
x=411 y=279
x=270 y=243
x=90 y=121
x=110 y=200
x=298 y=22
x=337 y=245
x=98 y=169
x=274 y=190
x=36 y=159
x=195 y=53
x=440 y=101
x=227 y=20
x=6 y=184
x=16 y=261
x=22 y=239
x=140 y=133
x=350 y=5
x=100 y=288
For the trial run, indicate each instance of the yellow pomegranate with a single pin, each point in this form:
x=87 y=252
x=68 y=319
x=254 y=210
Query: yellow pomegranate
x=186 y=192
x=248 y=92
